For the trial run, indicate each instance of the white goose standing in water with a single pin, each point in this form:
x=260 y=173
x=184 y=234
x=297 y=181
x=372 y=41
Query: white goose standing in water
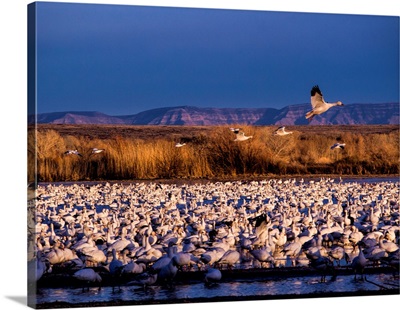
x=319 y=105
x=115 y=268
x=358 y=263
x=212 y=275
x=168 y=272
x=147 y=278
x=87 y=275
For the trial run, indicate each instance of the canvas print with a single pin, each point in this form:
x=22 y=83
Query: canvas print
x=184 y=155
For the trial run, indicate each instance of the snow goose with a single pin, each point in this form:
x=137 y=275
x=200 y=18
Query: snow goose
x=180 y=144
x=120 y=244
x=130 y=267
x=72 y=152
x=56 y=255
x=338 y=146
x=230 y=258
x=212 y=276
x=147 y=278
x=355 y=236
x=87 y=275
x=318 y=103
x=282 y=132
x=240 y=136
x=97 y=151
x=165 y=259
x=375 y=254
x=292 y=250
x=168 y=272
x=234 y=130
x=390 y=233
x=337 y=253
x=94 y=256
x=322 y=264
x=188 y=246
x=115 y=267
x=387 y=245
x=280 y=238
x=146 y=253
x=211 y=256
x=358 y=263
x=262 y=255
x=182 y=259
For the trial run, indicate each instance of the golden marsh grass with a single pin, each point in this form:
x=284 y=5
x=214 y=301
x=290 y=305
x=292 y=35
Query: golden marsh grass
x=149 y=152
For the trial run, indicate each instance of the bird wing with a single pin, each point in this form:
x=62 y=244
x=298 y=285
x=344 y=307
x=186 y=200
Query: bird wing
x=316 y=97
x=338 y=145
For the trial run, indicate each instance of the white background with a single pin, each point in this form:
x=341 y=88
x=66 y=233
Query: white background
x=13 y=67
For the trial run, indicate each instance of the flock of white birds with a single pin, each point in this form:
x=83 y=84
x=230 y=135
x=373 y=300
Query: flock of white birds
x=152 y=231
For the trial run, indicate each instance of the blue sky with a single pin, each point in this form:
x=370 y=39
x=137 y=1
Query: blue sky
x=119 y=59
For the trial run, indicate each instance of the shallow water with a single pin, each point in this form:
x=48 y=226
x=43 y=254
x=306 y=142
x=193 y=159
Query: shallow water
x=241 y=288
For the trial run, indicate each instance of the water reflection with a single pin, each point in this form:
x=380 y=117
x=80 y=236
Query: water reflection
x=296 y=285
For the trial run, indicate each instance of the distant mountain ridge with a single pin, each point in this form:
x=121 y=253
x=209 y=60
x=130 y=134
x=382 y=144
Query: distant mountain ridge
x=76 y=117
x=350 y=114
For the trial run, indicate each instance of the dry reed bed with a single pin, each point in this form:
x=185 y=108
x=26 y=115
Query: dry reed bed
x=141 y=152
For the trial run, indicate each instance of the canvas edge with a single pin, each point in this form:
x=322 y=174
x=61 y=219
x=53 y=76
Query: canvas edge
x=31 y=156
